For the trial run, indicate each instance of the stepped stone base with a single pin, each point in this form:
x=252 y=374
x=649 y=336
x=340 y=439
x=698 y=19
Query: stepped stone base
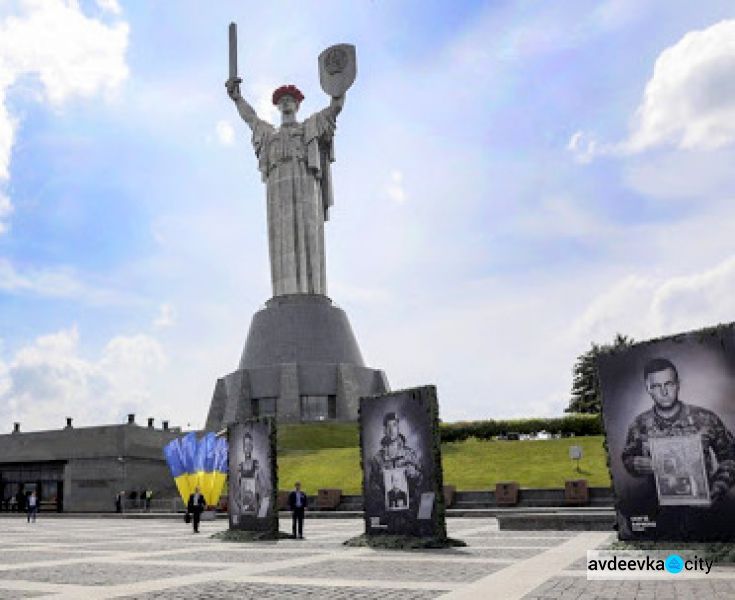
x=298 y=345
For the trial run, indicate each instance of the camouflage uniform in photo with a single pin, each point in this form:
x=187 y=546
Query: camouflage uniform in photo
x=399 y=456
x=249 y=500
x=718 y=443
x=682 y=522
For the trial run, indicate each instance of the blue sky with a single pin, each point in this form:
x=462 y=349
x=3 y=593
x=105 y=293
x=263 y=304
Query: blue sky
x=514 y=180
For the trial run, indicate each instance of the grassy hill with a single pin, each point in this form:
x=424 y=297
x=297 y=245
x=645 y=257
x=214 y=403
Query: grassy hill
x=323 y=455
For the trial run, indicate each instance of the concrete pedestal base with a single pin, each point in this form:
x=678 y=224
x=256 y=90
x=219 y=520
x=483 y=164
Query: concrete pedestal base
x=298 y=345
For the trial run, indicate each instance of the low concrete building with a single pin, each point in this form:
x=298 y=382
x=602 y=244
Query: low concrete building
x=83 y=469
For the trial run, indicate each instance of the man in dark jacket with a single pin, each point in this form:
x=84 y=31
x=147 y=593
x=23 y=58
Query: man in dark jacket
x=195 y=507
x=297 y=502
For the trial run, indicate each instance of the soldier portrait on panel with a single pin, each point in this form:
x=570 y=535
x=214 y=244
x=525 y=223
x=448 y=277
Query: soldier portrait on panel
x=248 y=478
x=668 y=407
x=395 y=469
x=684 y=447
x=399 y=437
x=252 y=476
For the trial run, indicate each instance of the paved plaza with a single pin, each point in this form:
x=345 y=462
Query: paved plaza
x=161 y=558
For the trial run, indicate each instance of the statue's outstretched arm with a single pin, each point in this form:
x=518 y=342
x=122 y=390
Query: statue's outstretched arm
x=337 y=103
x=247 y=112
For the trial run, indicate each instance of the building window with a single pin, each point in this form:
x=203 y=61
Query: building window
x=318 y=408
x=263 y=407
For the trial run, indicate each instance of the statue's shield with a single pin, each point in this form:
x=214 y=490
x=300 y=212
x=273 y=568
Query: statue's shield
x=337 y=69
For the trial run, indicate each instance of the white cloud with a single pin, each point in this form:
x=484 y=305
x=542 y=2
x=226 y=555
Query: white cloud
x=395 y=189
x=79 y=55
x=48 y=380
x=58 y=282
x=225 y=133
x=646 y=307
x=166 y=316
x=44 y=282
x=585 y=147
x=689 y=102
x=70 y=54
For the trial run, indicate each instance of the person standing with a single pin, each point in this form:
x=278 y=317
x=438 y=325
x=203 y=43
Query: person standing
x=195 y=507
x=32 y=507
x=119 y=499
x=297 y=502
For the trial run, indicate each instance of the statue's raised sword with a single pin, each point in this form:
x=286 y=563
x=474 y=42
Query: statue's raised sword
x=233 y=55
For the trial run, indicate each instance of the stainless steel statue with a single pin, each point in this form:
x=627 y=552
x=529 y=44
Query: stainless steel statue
x=294 y=160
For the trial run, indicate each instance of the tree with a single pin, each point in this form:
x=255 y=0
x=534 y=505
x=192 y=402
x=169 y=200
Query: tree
x=585 y=384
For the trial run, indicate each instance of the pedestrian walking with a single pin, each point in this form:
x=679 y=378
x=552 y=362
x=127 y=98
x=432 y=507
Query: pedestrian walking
x=297 y=502
x=195 y=507
x=119 y=499
x=32 y=507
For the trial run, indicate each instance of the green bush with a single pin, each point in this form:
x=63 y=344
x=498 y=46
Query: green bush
x=573 y=424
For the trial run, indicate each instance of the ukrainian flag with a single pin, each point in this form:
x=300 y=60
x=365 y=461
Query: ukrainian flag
x=188 y=453
x=220 y=466
x=172 y=453
x=198 y=463
x=204 y=466
x=210 y=442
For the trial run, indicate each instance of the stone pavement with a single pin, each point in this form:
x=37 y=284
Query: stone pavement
x=148 y=559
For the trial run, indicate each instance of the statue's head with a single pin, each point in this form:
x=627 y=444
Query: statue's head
x=288 y=98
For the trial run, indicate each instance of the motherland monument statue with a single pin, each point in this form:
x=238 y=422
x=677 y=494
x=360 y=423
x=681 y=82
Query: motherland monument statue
x=294 y=162
x=301 y=361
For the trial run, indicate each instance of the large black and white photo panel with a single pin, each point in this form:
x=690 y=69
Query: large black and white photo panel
x=252 y=478
x=401 y=462
x=668 y=408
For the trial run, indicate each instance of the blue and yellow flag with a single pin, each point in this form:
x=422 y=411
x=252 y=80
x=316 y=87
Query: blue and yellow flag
x=204 y=466
x=188 y=452
x=221 y=465
x=172 y=453
x=198 y=463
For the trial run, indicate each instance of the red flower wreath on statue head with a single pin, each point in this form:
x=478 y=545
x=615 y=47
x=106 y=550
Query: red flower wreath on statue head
x=290 y=90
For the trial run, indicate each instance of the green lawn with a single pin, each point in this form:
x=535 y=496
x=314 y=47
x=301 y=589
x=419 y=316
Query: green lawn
x=327 y=455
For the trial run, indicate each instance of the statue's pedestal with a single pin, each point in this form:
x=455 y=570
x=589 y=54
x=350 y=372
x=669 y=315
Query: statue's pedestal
x=301 y=358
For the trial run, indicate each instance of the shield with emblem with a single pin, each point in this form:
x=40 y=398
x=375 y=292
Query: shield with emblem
x=337 y=69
